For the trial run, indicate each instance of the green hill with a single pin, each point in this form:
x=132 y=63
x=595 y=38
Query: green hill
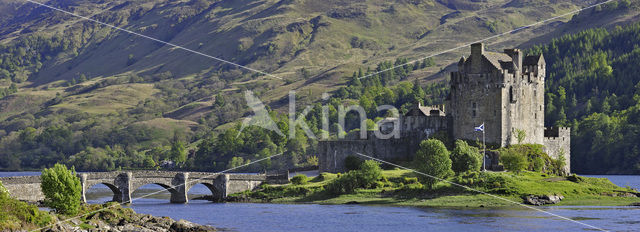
x=70 y=87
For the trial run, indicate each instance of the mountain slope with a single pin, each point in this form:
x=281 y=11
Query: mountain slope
x=80 y=86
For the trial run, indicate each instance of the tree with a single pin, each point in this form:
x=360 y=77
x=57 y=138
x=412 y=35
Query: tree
x=62 y=189
x=465 y=158
x=432 y=158
x=370 y=172
x=178 y=153
x=513 y=160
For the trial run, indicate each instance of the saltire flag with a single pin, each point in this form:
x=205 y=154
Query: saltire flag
x=480 y=128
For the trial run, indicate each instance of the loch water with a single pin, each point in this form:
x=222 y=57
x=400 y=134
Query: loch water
x=314 y=217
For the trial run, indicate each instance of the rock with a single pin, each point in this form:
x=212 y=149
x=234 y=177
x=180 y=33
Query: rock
x=110 y=222
x=542 y=200
x=635 y=204
x=75 y=221
x=352 y=203
x=186 y=226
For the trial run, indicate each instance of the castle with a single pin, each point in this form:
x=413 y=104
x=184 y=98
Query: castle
x=503 y=91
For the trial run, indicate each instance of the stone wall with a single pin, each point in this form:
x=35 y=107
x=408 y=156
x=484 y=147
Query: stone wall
x=505 y=99
x=557 y=141
x=476 y=99
x=333 y=153
x=423 y=124
x=25 y=188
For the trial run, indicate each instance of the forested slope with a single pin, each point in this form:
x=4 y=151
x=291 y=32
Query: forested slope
x=593 y=85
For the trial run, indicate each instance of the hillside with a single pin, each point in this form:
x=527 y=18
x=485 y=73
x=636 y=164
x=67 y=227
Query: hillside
x=71 y=88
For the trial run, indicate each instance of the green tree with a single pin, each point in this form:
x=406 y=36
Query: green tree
x=370 y=172
x=465 y=158
x=178 y=153
x=432 y=158
x=235 y=162
x=62 y=189
x=513 y=160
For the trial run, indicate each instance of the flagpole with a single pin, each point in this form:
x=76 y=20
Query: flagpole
x=484 y=150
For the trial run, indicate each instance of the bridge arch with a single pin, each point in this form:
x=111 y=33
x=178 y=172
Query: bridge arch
x=166 y=187
x=114 y=189
x=215 y=192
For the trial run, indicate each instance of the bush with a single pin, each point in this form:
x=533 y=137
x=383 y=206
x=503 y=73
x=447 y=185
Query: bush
x=62 y=189
x=299 y=179
x=535 y=159
x=17 y=215
x=365 y=177
x=352 y=163
x=369 y=173
x=3 y=191
x=513 y=161
x=432 y=158
x=538 y=164
x=465 y=158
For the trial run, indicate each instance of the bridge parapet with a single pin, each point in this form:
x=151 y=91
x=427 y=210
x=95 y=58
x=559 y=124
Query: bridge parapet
x=123 y=184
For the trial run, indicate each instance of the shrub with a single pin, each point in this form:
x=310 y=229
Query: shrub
x=432 y=158
x=365 y=177
x=575 y=178
x=352 y=163
x=17 y=215
x=299 y=179
x=410 y=180
x=3 y=191
x=62 y=189
x=559 y=163
x=465 y=158
x=369 y=173
x=513 y=161
x=538 y=164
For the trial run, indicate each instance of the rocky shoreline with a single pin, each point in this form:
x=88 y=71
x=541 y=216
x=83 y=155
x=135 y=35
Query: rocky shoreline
x=126 y=220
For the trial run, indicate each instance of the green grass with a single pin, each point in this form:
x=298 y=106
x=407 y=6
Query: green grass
x=109 y=99
x=402 y=191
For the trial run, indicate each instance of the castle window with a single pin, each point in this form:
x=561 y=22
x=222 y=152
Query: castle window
x=512 y=96
x=474 y=107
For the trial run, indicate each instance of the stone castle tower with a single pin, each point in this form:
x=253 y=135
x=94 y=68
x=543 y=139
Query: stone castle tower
x=505 y=91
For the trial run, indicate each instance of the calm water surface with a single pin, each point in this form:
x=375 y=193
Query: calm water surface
x=313 y=217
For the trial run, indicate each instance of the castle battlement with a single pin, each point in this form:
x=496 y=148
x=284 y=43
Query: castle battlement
x=557 y=132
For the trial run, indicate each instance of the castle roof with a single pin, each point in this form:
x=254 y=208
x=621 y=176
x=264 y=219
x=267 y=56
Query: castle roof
x=498 y=60
x=420 y=110
x=533 y=60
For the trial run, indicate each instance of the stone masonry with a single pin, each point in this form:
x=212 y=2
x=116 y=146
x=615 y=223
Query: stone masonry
x=505 y=91
x=123 y=184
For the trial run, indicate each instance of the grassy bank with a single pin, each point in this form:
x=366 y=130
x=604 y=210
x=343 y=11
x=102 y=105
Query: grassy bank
x=400 y=187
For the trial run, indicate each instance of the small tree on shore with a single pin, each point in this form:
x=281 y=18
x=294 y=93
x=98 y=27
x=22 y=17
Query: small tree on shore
x=432 y=158
x=62 y=189
x=465 y=158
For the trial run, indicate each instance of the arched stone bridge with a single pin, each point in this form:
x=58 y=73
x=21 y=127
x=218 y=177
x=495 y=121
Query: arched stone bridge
x=122 y=184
